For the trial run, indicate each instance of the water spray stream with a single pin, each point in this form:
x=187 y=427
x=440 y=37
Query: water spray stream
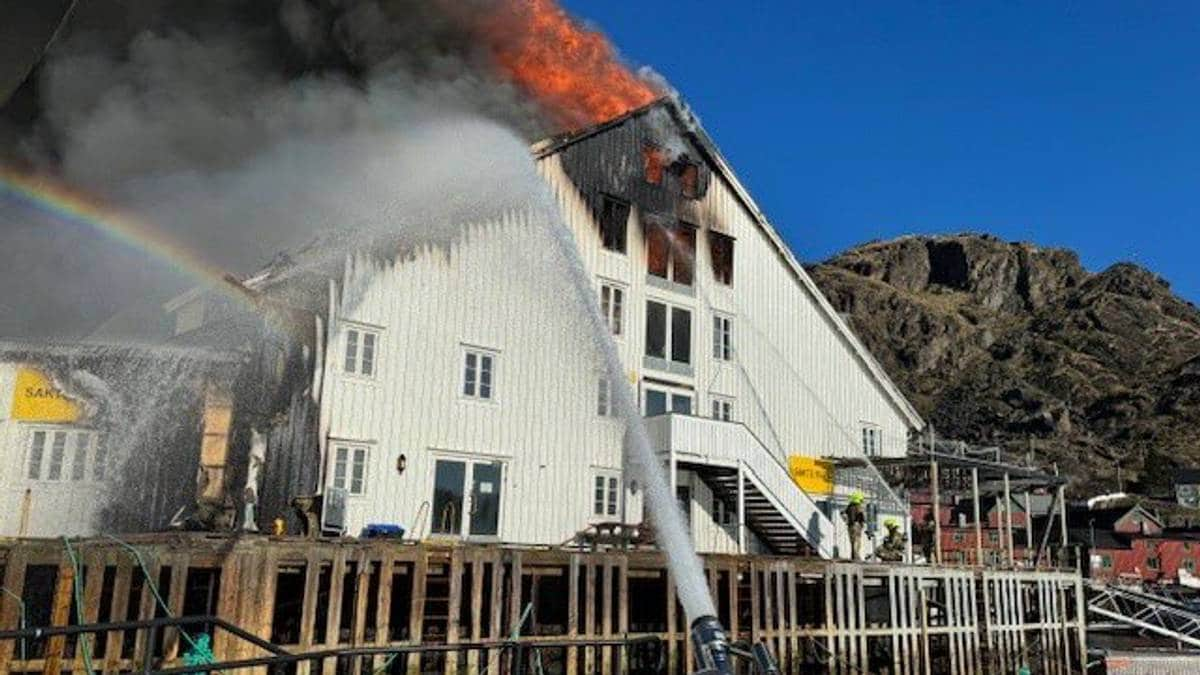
x=670 y=530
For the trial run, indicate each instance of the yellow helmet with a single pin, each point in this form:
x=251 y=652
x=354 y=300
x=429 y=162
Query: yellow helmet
x=856 y=498
x=891 y=522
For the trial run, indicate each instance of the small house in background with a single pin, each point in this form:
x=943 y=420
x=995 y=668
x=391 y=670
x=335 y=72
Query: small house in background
x=957 y=525
x=1132 y=543
x=1187 y=488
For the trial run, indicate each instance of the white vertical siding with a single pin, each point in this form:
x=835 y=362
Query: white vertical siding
x=490 y=291
x=56 y=508
x=796 y=382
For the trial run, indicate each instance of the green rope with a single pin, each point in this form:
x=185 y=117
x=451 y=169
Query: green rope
x=198 y=650
x=84 y=638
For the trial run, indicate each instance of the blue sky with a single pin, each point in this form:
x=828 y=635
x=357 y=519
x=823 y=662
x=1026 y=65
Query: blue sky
x=1065 y=124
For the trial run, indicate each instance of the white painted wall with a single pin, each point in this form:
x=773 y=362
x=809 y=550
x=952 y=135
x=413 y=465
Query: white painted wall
x=487 y=291
x=55 y=507
x=796 y=382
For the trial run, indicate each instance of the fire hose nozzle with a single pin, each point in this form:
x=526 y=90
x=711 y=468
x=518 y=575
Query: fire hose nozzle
x=710 y=647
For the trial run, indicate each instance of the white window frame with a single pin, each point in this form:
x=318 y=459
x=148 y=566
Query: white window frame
x=604 y=491
x=354 y=349
x=721 y=408
x=613 y=299
x=668 y=333
x=72 y=469
x=671 y=393
x=345 y=481
x=604 y=398
x=469 y=460
x=872 y=440
x=722 y=337
x=470 y=386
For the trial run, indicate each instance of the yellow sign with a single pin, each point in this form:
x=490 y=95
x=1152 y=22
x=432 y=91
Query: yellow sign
x=814 y=476
x=36 y=399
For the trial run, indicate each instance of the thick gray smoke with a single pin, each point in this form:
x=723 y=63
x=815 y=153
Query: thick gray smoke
x=243 y=128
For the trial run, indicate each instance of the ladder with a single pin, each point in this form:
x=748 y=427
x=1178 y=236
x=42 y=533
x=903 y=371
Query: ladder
x=1145 y=611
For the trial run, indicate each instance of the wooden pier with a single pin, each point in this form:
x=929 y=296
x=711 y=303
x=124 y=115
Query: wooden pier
x=304 y=595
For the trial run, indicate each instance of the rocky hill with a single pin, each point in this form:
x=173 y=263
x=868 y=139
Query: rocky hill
x=1014 y=345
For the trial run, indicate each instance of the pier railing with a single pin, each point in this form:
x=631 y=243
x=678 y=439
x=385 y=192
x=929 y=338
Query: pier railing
x=451 y=608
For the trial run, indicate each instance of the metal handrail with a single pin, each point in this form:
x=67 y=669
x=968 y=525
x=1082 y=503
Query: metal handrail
x=517 y=647
x=280 y=656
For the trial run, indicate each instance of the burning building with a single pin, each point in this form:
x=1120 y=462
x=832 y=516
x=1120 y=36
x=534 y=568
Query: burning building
x=445 y=393
x=447 y=386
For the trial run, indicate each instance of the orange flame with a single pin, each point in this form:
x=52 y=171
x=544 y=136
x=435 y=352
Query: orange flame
x=572 y=71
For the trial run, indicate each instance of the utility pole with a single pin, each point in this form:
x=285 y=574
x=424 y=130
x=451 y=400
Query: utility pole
x=936 y=498
x=1028 y=528
x=1008 y=518
x=978 y=525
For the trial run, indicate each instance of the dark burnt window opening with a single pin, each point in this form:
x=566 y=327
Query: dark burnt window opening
x=614 y=219
x=658 y=250
x=671 y=252
x=653 y=162
x=683 y=254
x=689 y=178
x=721 y=248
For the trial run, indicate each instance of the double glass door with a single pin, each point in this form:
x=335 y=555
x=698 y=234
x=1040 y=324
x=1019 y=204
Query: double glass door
x=466 y=498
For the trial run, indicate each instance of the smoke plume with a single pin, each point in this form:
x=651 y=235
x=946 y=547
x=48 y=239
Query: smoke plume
x=241 y=128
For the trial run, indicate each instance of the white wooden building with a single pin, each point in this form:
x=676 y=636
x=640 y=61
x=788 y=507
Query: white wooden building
x=453 y=402
x=458 y=397
x=54 y=464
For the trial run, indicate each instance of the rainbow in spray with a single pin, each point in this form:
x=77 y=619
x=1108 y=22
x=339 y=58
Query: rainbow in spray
x=63 y=203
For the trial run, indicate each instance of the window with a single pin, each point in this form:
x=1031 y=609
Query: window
x=689 y=178
x=722 y=409
x=722 y=513
x=65 y=456
x=58 y=451
x=1152 y=563
x=722 y=338
x=660 y=402
x=79 y=456
x=959 y=538
x=994 y=536
x=606 y=489
x=478 y=374
x=1189 y=565
x=671 y=252
x=720 y=248
x=612 y=306
x=37 y=449
x=360 y=352
x=669 y=340
x=871 y=440
x=350 y=469
x=100 y=462
x=604 y=399
x=652 y=164
x=1106 y=561
x=614 y=221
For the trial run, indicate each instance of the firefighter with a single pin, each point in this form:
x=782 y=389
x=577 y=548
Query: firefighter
x=856 y=519
x=892 y=548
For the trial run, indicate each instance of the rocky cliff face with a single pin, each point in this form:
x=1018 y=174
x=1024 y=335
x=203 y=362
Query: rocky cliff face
x=1014 y=345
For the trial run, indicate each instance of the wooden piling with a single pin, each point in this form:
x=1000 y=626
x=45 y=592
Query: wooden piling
x=909 y=619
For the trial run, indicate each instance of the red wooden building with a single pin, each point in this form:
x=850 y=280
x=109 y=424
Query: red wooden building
x=1131 y=543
